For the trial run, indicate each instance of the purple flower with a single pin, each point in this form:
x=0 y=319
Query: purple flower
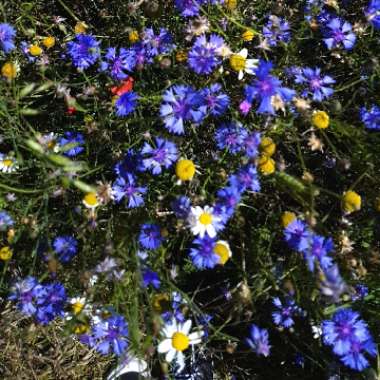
x=361 y=291
x=216 y=102
x=71 y=143
x=151 y=278
x=6 y=221
x=180 y=104
x=332 y=284
x=318 y=249
x=189 y=8
x=371 y=117
x=227 y=200
x=297 y=235
x=181 y=206
x=251 y=144
x=339 y=33
x=130 y=165
x=163 y=155
x=126 y=103
x=25 y=293
x=156 y=44
x=117 y=65
x=316 y=85
x=231 y=136
x=285 y=312
x=276 y=30
x=245 y=179
x=372 y=12
x=66 y=247
x=259 y=340
x=203 y=58
x=203 y=255
x=126 y=187
x=265 y=87
x=7 y=35
x=150 y=236
x=84 y=51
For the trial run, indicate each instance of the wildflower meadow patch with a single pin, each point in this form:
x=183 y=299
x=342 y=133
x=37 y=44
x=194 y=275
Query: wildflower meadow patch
x=189 y=189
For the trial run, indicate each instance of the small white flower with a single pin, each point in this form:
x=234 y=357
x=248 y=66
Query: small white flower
x=241 y=64
x=176 y=339
x=203 y=220
x=7 y=164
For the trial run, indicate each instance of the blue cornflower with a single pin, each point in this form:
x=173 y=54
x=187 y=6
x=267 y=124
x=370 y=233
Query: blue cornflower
x=251 y=144
x=111 y=335
x=51 y=302
x=338 y=33
x=227 y=200
x=231 y=136
x=71 y=143
x=162 y=156
x=371 y=117
x=25 y=293
x=215 y=100
x=7 y=35
x=316 y=84
x=265 y=87
x=126 y=187
x=361 y=291
x=245 y=179
x=118 y=64
x=297 y=235
x=372 y=12
x=156 y=44
x=151 y=278
x=313 y=7
x=203 y=255
x=6 y=221
x=203 y=57
x=180 y=104
x=150 y=236
x=331 y=283
x=285 y=312
x=66 y=247
x=84 y=51
x=276 y=30
x=189 y=8
x=126 y=103
x=181 y=206
x=130 y=165
x=355 y=359
x=259 y=340
x=318 y=249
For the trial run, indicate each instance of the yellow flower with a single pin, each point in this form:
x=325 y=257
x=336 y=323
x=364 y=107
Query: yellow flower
x=320 y=119
x=161 y=302
x=35 y=50
x=133 y=36
x=222 y=249
x=5 y=253
x=231 y=4
x=48 y=42
x=181 y=56
x=185 y=170
x=81 y=328
x=248 y=35
x=237 y=62
x=267 y=146
x=90 y=200
x=80 y=27
x=266 y=165
x=351 y=201
x=9 y=70
x=10 y=235
x=287 y=217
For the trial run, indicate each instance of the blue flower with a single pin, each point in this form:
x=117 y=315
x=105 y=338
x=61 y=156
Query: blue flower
x=203 y=255
x=126 y=187
x=251 y=144
x=339 y=33
x=163 y=155
x=203 y=57
x=371 y=117
x=259 y=340
x=265 y=87
x=285 y=312
x=276 y=30
x=227 y=200
x=332 y=284
x=117 y=65
x=181 y=206
x=156 y=44
x=216 y=102
x=189 y=8
x=180 y=104
x=130 y=165
x=245 y=179
x=151 y=278
x=318 y=249
x=126 y=103
x=7 y=35
x=71 y=144
x=150 y=236
x=372 y=12
x=84 y=51
x=6 y=221
x=231 y=136
x=297 y=235
x=66 y=247
x=361 y=291
x=316 y=84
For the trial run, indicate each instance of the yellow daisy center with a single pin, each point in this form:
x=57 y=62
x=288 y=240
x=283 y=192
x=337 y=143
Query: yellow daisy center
x=185 y=170
x=35 y=50
x=77 y=307
x=248 y=35
x=205 y=218
x=222 y=251
x=180 y=341
x=7 y=162
x=91 y=200
x=351 y=201
x=237 y=62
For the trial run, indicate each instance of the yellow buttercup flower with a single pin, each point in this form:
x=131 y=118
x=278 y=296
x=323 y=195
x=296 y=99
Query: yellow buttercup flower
x=351 y=202
x=80 y=27
x=231 y=4
x=287 y=217
x=267 y=147
x=5 y=253
x=35 y=50
x=266 y=165
x=133 y=36
x=248 y=35
x=48 y=42
x=320 y=119
x=90 y=200
x=9 y=70
x=185 y=170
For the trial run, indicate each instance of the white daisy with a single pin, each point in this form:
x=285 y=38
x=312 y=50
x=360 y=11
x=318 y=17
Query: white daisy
x=223 y=250
x=241 y=64
x=90 y=200
x=203 y=220
x=177 y=338
x=7 y=164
